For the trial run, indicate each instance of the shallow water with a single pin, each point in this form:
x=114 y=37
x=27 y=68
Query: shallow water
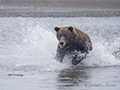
x=28 y=48
x=73 y=78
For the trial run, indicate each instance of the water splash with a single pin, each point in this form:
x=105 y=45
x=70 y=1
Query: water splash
x=32 y=42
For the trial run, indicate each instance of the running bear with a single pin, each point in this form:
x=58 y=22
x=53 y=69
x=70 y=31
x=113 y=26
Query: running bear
x=72 y=40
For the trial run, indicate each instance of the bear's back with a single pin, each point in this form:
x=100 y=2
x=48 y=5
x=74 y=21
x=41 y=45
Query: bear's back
x=82 y=36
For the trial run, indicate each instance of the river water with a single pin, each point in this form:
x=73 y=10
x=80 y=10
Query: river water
x=28 y=48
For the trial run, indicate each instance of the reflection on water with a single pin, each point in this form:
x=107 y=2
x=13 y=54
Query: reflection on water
x=90 y=78
x=71 y=77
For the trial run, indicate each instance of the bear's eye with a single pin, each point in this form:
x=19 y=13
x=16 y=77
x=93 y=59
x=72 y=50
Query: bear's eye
x=60 y=35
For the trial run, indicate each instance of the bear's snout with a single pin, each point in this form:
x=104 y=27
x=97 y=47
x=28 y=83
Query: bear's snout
x=62 y=44
x=62 y=41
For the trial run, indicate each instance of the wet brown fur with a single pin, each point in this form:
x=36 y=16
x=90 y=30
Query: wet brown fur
x=74 y=39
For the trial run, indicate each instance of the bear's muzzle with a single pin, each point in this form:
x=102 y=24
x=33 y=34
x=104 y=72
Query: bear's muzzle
x=62 y=44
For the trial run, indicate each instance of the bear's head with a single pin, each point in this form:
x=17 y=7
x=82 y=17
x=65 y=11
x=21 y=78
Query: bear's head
x=66 y=35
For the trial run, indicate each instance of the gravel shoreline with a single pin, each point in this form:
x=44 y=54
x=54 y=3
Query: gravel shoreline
x=62 y=8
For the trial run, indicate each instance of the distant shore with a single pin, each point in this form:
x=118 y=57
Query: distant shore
x=60 y=8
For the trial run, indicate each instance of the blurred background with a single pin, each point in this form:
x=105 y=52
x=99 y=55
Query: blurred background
x=59 y=8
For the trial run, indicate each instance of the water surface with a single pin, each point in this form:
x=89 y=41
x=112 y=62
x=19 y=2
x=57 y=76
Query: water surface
x=28 y=48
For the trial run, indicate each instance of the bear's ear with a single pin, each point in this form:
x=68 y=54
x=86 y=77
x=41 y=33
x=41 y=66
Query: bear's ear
x=56 y=29
x=70 y=28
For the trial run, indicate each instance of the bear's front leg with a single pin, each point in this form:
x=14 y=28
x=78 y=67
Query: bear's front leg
x=60 y=54
x=77 y=59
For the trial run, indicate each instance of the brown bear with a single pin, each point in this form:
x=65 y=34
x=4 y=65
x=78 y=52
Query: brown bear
x=72 y=40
